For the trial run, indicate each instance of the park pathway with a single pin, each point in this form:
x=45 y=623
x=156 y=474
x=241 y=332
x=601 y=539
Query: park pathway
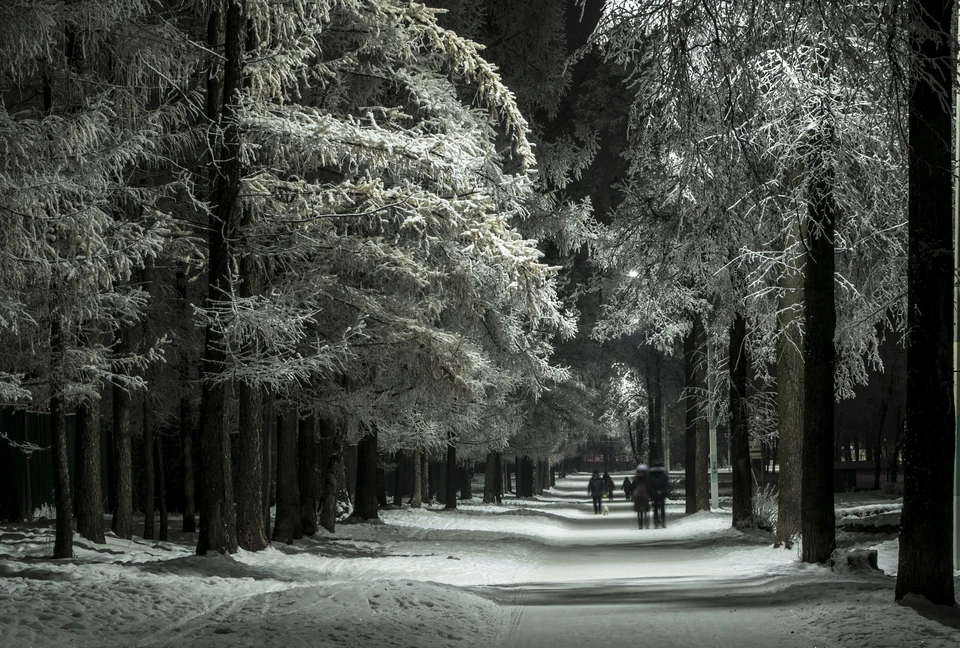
x=648 y=588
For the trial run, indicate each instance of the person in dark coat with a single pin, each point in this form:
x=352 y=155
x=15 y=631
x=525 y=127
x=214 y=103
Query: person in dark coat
x=608 y=485
x=641 y=497
x=595 y=489
x=627 y=488
x=659 y=487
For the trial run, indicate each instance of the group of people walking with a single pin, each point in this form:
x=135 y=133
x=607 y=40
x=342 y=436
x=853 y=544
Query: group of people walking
x=649 y=488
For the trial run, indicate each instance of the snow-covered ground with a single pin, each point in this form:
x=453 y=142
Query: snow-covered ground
x=545 y=571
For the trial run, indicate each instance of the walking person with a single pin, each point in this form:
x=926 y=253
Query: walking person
x=608 y=485
x=641 y=497
x=627 y=488
x=659 y=487
x=595 y=489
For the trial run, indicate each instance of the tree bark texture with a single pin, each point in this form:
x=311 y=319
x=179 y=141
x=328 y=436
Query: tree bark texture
x=286 y=527
x=268 y=425
x=655 y=410
x=308 y=475
x=87 y=464
x=332 y=471
x=122 y=483
x=251 y=531
x=365 y=502
x=416 y=494
x=698 y=432
x=450 y=492
x=925 y=562
x=790 y=395
x=164 y=535
x=185 y=413
x=217 y=517
x=149 y=473
x=489 y=479
x=63 y=543
x=819 y=355
x=739 y=424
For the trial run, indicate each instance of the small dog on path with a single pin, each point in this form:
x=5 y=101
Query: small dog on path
x=606 y=509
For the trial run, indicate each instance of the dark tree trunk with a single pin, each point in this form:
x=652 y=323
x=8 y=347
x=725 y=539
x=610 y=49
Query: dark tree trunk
x=122 y=483
x=498 y=477
x=525 y=477
x=464 y=477
x=489 y=479
x=819 y=355
x=217 y=517
x=416 y=495
x=926 y=536
x=251 y=532
x=450 y=492
x=308 y=476
x=424 y=471
x=508 y=481
x=186 y=418
x=790 y=380
x=739 y=424
x=162 y=487
x=268 y=424
x=697 y=455
x=63 y=544
x=398 y=477
x=878 y=446
x=332 y=471
x=381 y=485
x=287 y=528
x=655 y=410
x=186 y=441
x=365 y=501
x=87 y=463
x=149 y=473
x=439 y=472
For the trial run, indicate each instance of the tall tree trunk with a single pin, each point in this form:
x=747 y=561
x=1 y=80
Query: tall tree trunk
x=878 y=445
x=149 y=478
x=498 y=476
x=251 y=532
x=308 y=475
x=820 y=317
x=424 y=471
x=162 y=487
x=790 y=381
x=739 y=424
x=925 y=563
x=464 y=478
x=489 y=479
x=122 y=483
x=450 y=491
x=697 y=456
x=416 y=493
x=268 y=425
x=332 y=471
x=365 y=501
x=525 y=477
x=287 y=528
x=63 y=544
x=189 y=480
x=655 y=409
x=87 y=464
x=217 y=519
x=398 y=477
x=185 y=413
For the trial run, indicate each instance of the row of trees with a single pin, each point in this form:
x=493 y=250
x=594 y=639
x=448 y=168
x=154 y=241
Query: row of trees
x=222 y=211
x=787 y=205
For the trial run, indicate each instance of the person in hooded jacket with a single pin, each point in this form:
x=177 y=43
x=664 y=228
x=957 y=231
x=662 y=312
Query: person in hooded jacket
x=595 y=489
x=627 y=488
x=641 y=496
x=658 y=483
x=608 y=485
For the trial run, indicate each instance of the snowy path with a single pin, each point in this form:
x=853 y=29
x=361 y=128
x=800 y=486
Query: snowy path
x=538 y=572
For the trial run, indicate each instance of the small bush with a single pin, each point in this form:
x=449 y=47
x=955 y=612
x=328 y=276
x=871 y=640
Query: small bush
x=765 y=507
